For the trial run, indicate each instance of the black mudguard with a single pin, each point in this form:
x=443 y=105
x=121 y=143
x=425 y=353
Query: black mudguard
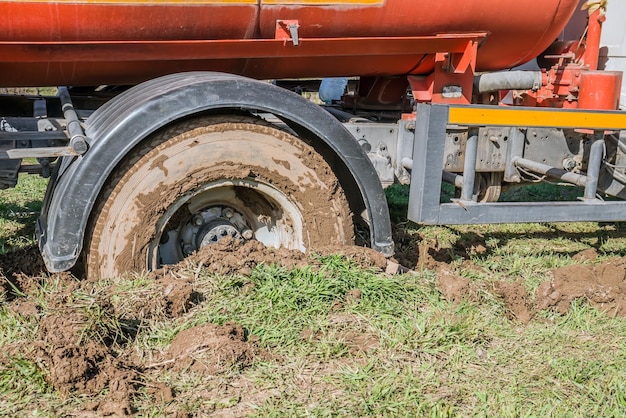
x=118 y=126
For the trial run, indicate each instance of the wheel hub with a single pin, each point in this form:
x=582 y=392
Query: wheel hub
x=243 y=209
x=214 y=231
x=204 y=228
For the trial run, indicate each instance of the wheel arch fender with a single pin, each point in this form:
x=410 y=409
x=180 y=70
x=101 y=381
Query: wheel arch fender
x=122 y=123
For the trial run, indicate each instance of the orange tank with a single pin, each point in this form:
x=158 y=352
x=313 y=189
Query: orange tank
x=93 y=42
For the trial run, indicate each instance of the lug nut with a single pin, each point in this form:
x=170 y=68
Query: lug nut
x=228 y=213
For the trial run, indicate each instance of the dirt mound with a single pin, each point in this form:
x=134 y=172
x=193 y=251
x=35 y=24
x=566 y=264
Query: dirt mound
x=210 y=349
x=231 y=256
x=171 y=295
x=517 y=301
x=74 y=345
x=602 y=286
x=21 y=271
x=454 y=288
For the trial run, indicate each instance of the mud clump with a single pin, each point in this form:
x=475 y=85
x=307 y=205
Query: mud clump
x=210 y=349
x=173 y=295
x=74 y=346
x=516 y=300
x=231 y=256
x=602 y=286
x=454 y=288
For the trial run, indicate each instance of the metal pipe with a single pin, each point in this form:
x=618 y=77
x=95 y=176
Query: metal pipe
x=596 y=153
x=78 y=140
x=452 y=178
x=508 y=80
x=469 y=168
x=544 y=169
x=594 y=32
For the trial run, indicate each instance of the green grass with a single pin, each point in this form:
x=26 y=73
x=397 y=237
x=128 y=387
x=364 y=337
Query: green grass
x=19 y=209
x=398 y=349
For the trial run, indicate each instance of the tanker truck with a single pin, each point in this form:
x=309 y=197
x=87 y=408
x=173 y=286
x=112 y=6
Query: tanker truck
x=178 y=123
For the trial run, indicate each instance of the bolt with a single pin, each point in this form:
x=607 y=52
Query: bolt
x=228 y=213
x=569 y=164
x=198 y=220
x=247 y=234
x=188 y=248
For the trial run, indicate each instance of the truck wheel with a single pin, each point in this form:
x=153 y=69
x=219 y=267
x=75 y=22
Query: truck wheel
x=209 y=178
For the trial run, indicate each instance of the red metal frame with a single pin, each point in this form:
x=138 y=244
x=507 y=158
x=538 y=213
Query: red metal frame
x=93 y=62
x=453 y=76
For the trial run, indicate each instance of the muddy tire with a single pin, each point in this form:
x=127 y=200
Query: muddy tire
x=204 y=179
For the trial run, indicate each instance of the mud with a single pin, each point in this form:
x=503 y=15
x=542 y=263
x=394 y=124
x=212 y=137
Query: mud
x=307 y=180
x=517 y=301
x=211 y=349
x=603 y=286
x=232 y=256
x=21 y=271
x=454 y=288
x=83 y=336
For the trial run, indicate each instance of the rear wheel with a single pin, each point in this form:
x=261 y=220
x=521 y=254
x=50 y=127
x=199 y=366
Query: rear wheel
x=208 y=178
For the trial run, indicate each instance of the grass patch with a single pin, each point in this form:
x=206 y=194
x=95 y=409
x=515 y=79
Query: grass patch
x=334 y=339
x=19 y=209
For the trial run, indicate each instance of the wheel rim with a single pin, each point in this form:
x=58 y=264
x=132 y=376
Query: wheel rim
x=243 y=209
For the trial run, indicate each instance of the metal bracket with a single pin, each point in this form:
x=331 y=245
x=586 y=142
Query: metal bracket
x=287 y=30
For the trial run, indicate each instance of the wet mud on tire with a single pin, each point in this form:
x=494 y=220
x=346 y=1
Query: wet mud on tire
x=240 y=152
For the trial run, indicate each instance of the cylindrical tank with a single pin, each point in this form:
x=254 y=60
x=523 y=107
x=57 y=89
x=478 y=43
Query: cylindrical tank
x=517 y=31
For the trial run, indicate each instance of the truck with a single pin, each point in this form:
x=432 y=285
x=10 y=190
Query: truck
x=178 y=123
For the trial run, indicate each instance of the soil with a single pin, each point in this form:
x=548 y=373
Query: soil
x=82 y=356
x=210 y=349
x=601 y=285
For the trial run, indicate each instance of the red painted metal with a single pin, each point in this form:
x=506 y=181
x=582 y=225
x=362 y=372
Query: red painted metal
x=83 y=42
x=600 y=90
x=91 y=62
x=571 y=79
x=592 y=45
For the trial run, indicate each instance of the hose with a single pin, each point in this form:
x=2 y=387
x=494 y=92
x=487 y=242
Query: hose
x=508 y=80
